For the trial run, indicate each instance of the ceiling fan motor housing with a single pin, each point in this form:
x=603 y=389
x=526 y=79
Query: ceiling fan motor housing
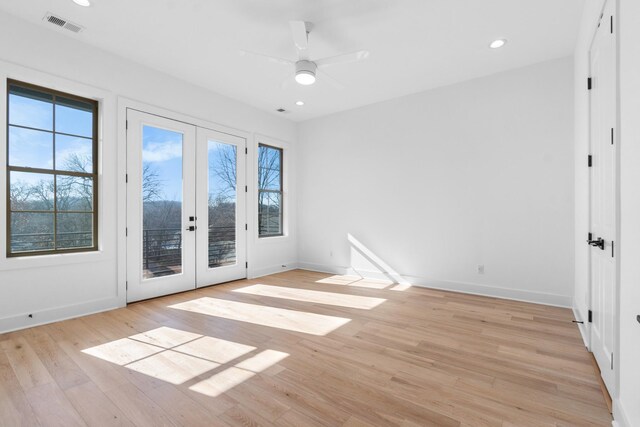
x=306 y=67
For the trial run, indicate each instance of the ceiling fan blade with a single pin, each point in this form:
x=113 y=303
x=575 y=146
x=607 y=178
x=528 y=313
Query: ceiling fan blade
x=269 y=58
x=343 y=59
x=324 y=77
x=286 y=83
x=300 y=35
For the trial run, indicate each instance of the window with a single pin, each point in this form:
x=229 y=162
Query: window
x=51 y=171
x=269 y=191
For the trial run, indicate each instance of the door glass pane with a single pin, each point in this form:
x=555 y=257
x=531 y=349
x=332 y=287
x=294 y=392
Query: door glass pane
x=162 y=202
x=222 y=204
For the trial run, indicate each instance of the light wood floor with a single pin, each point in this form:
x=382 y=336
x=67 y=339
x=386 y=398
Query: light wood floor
x=304 y=349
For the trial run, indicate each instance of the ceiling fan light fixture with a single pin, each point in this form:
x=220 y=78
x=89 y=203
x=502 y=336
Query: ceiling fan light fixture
x=305 y=72
x=83 y=3
x=305 y=78
x=299 y=103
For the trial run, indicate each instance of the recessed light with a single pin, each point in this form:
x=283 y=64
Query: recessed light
x=300 y=103
x=84 y=3
x=496 y=44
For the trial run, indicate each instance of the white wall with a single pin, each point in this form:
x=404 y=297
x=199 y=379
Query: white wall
x=55 y=287
x=628 y=401
x=435 y=184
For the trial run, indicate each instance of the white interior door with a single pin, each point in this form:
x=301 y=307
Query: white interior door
x=161 y=206
x=603 y=197
x=221 y=207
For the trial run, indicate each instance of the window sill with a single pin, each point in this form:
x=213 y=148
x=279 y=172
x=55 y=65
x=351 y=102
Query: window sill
x=51 y=260
x=273 y=239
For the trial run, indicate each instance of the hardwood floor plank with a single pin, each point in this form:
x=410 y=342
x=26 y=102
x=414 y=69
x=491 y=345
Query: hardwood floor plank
x=95 y=407
x=51 y=406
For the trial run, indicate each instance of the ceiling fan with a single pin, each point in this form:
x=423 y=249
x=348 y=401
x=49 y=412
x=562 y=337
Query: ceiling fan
x=306 y=69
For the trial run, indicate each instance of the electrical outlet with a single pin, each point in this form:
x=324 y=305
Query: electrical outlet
x=480 y=269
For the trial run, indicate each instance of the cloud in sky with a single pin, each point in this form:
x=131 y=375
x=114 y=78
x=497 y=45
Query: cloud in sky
x=155 y=152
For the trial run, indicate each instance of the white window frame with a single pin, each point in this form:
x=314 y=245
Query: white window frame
x=286 y=199
x=106 y=166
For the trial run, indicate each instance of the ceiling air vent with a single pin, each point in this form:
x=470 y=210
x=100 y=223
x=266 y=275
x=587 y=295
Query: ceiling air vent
x=63 y=23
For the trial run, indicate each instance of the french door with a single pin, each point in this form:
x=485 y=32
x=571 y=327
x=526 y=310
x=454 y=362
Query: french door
x=185 y=206
x=603 y=210
x=221 y=252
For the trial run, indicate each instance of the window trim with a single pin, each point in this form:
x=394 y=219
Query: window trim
x=93 y=174
x=281 y=191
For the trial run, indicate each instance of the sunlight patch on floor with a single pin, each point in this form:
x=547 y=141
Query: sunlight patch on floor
x=165 y=337
x=355 y=281
x=318 y=297
x=400 y=287
x=239 y=373
x=291 y=320
x=177 y=357
x=123 y=351
x=173 y=367
x=215 y=349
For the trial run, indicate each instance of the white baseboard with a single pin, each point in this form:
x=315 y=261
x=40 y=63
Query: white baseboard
x=619 y=416
x=56 y=314
x=273 y=269
x=468 y=288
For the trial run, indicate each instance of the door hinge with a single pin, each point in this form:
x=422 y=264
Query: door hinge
x=246 y=226
x=613 y=244
x=246 y=189
x=126 y=124
x=126 y=178
x=611 y=23
x=246 y=150
x=590 y=237
x=611 y=136
x=589 y=83
x=126 y=232
x=590 y=160
x=126 y=285
x=246 y=264
x=590 y=316
x=611 y=360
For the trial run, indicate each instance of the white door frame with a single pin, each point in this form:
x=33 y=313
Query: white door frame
x=123 y=104
x=609 y=9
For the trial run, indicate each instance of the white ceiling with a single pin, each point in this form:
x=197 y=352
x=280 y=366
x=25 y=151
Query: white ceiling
x=414 y=44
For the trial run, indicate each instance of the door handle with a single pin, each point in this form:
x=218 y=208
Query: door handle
x=191 y=228
x=598 y=243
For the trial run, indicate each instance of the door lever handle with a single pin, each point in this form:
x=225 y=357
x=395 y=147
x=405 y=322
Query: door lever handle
x=598 y=243
x=191 y=228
